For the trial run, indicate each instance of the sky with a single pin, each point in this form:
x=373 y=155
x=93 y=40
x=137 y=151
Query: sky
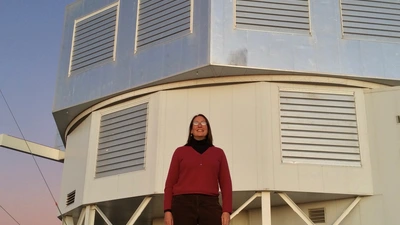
x=30 y=44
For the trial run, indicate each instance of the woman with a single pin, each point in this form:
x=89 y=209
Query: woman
x=196 y=173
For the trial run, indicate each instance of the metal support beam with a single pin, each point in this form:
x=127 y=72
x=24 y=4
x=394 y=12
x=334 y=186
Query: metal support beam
x=347 y=211
x=266 y=208
x=296 y=209
x=139 y=210
x=28 y=147
x=237 y=211
x=67 y=220
x=89 y=215
x=81 y=217
x=102 y=215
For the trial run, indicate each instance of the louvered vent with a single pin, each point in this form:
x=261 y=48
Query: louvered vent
x=317 y=215
x=122 y=141
x=71 y=197
x=377 y=19
x=273 y=15
x=319 y=128
x=94 y=40
x=162 y=20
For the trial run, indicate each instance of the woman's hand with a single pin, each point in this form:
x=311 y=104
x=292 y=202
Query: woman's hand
x=225 y=218
x=168 y=219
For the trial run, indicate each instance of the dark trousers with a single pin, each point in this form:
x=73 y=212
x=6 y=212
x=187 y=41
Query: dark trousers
x=196 y=209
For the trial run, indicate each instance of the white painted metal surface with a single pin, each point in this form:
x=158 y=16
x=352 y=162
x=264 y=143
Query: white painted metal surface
x=139 y=210
x=31 y=148
x=238 y=210
x=90 y=213
x=347 y=211
x=266 y=208
x=296 y=209
x=102 y=215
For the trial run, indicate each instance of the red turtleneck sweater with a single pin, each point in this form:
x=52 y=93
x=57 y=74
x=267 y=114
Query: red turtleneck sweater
x=193 y=173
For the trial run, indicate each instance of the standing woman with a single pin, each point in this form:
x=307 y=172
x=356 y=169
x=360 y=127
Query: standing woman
x=196 y=173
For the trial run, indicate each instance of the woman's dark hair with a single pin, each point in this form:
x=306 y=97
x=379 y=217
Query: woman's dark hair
x=209 y=136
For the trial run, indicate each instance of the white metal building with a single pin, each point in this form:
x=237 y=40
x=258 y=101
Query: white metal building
x=302 y=95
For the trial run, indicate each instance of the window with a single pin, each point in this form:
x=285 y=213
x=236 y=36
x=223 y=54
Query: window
x=319 y=128
x=161 y=20
x=122 y=141
x=94 y=39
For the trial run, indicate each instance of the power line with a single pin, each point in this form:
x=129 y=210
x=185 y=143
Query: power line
x=26 y=143
x=9 y=215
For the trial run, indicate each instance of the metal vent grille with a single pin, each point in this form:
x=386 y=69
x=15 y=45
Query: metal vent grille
x=161 y=20
x=71 y=197
x=319 y=128
x=122 y=141
x=317 y=215
x=273 y=15
x=94 y=40
x=374 y=19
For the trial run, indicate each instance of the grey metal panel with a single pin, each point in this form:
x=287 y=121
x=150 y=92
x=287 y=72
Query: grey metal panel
x=123 y=129
x=317 y=141
x=180 y=19
x=136 y=137
x=124 y=146
x=270 y=11
x=117 y=125
x=332 y=162
x=317 y=128
x=273 y=15
x=379 y=20
x=91 y=34
x=166 y=14
x=118 y=160
x=121 y=165
x=305 y=134
x=159 y=29
x=96 y=33
x=96 y=20
x=318 y=148
x=123 y=115
x=160 y=6
x=95 y=28
x=120 y=149
x=122 y=136
x=178 y=14
x=119 y=153
x=317 y=109
x=104 y=34
x=71 y=197
x=317 y=115
x=317 y=215
x=322 y=155
x=162 y=20
x=165 y=36
x=369 y=17
x=374 y=21
x=94 y=43
x=92 y=60
x=327 y=137
x=120 y=170
x=93 y=52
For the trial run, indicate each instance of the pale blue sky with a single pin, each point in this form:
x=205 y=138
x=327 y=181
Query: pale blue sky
x=30 y=43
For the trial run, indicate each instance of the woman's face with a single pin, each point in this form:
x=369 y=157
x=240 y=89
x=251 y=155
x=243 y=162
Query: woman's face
x=199 y=128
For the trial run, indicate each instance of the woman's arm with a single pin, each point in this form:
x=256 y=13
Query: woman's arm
x=225 y=184
x=172 y=178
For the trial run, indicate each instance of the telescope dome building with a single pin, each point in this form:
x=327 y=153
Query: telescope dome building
x=303 y=97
